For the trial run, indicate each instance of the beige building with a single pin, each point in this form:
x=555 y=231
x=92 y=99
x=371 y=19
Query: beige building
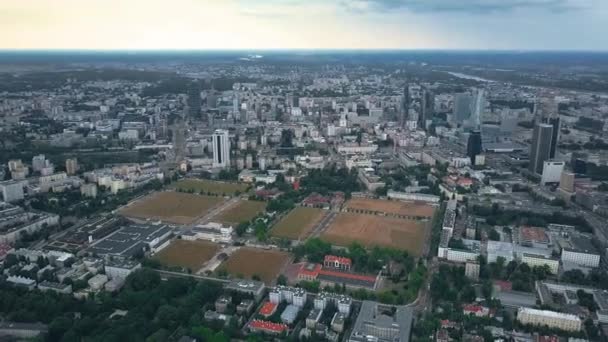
x=540 y=260
x=551 y=319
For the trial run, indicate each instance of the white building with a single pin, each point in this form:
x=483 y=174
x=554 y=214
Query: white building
x=211 y=231
x=458 y=255
x=291 y=295
x=551 y=319
x=552 y=171
x=221 y=149
x=354 y=148
x=412 y=196
x=580 y=257
x=89 y=190
x=343 y=302
x=12 y=191
x=120 y=269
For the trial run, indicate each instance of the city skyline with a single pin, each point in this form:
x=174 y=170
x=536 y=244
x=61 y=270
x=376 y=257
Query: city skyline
x=296 y=24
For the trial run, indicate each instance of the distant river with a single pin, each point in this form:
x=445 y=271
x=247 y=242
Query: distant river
x=468 y=77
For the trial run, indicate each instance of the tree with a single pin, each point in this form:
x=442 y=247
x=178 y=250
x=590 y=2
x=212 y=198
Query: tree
x=281 y=279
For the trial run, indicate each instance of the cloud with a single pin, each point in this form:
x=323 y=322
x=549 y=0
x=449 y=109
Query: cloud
x=464 y=6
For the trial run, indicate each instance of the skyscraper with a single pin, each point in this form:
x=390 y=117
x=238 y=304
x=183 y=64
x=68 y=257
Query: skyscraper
x=474 y=145
x=221 y=149
x=555 y=123
x=194 y=99
x=540 y=150
x=463 y=107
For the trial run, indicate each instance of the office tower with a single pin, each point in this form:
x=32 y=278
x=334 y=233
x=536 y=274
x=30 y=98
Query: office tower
x=540 y=150
x=474 y=145
x=221 y=149
x=194 y=99
x=555 y=123
x=463 y=107
x=426 y=108
x=71 y=166
x=478 y=108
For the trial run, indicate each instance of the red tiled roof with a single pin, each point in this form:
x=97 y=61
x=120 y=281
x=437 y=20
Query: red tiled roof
x=348 y=275
x=473 y=308
x=268 y=309
x=534 y=234
x=341 y=260
x=310 y=271
x=269 y=326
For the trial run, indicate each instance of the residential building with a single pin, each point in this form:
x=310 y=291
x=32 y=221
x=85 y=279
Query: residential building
x=71 y=166
x=12 y=190
x=548 y=318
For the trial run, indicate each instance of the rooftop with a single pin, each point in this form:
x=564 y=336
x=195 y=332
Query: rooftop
x=374 y=316
x=130 y=239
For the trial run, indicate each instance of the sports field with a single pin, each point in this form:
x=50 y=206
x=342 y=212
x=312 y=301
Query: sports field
x=298 y=223
x=242 y=211
x=205 y=185
x=247 y=262
x=391 y=207
x=373 y=230
x=187 y=254
x=171 y=207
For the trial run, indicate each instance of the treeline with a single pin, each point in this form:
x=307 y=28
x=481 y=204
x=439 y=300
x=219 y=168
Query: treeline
x=156 y=311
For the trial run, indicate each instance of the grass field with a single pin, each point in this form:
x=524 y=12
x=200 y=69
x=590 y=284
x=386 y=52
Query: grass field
x=391 y=207
x=205 y=185
x=247 y=262
x=372 y=230
x=172 y=207
x=298 y=223
x=240 y=212
x=187 y=254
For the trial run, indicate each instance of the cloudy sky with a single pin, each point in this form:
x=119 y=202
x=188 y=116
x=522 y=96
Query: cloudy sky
x=304 y=24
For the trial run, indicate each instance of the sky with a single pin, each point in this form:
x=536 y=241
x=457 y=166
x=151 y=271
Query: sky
x=304 y=24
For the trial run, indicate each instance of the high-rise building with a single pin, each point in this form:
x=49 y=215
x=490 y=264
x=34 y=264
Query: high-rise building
x=463 y=107
x=540 y=150
x=221 y=149
x=71 y=166
x=474 y=145
x=39 y=162
x=194 y=99
x=554 y=122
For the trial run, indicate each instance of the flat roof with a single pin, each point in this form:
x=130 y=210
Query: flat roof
x=130 y=239
x=374 y=315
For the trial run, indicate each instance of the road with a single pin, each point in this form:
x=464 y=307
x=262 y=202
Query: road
x=323 y=224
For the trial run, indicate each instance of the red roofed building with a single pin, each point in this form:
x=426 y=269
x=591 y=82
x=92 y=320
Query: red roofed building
x=267 y=327
x=340 y=263
x=476 y=310
x=332 y=276
x=268 y=309
x=309 y=272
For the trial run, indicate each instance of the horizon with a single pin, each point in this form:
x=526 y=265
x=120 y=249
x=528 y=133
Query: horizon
x=298 y=24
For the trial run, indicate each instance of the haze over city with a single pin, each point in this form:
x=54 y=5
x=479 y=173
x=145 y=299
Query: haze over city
x=304 y=24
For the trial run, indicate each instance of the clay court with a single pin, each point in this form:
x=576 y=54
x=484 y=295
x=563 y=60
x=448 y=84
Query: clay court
x=247 y=262
x=187 y=254
x=373 y=230
x=242 y=211
x=171 y=207
x=298 y=223
x=205 y=185
x=394 y=207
